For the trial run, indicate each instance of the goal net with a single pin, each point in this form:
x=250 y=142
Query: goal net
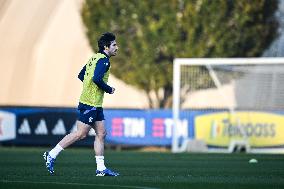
x=231 y=104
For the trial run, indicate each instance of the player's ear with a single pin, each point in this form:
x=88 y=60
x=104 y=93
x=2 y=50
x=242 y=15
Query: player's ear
x=106 y=48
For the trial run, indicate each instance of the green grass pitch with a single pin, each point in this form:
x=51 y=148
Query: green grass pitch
x=75 y=169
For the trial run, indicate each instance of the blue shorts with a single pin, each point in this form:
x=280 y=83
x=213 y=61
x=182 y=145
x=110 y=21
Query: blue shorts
x=89 y=115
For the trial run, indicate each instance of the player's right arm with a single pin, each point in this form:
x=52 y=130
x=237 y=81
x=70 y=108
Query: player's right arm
x=101 y=68
x=82 y=73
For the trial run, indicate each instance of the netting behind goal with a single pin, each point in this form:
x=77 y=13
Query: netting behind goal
x=233 y=92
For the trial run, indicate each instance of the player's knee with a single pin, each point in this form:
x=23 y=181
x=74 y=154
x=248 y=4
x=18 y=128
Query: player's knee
x=102 y=135
x=81 y=135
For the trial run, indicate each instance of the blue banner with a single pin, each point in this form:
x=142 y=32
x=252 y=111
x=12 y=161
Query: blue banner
x=45 y=126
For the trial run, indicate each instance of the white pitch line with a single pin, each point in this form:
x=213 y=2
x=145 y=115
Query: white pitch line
x=78 y=184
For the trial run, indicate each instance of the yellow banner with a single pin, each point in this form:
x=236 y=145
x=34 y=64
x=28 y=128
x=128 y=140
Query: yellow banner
x=261 y=128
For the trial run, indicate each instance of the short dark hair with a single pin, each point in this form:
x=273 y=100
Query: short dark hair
x=105 y=40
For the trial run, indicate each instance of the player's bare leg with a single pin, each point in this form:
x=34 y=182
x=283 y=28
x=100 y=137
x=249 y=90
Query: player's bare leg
x=99 y=150
x=82 y=131
x=99 y=144
x=100 y=138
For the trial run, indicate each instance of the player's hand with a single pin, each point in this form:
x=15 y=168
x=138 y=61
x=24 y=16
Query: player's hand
x=112 y=91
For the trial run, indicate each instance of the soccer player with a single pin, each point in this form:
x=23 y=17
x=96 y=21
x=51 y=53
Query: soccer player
x=94 y=76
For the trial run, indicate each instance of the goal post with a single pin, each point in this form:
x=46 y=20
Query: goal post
x=229 y=103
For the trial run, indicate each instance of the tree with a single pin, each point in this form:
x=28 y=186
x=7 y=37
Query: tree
x=151 y=33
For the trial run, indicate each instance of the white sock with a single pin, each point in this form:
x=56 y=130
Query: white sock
x=55 y=151
x=100 y=163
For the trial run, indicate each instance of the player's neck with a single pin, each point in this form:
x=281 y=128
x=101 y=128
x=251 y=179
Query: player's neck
x=106 y=52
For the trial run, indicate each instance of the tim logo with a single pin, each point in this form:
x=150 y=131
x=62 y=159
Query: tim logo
x=128 y=127
x=162 y=127
x=117 y=127
x=158 y=128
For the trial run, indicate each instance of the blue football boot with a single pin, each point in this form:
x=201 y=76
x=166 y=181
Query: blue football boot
x=106 y=172
x=49 y=162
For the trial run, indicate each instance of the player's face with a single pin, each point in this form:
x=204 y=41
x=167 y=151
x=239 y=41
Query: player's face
x=113 y=48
